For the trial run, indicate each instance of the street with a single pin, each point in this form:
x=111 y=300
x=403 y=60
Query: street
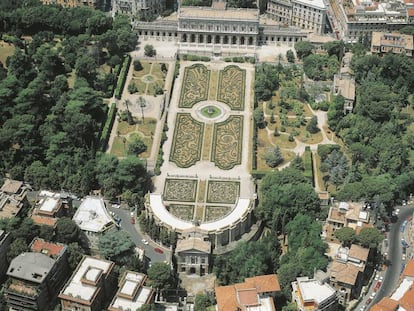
x=136 y=236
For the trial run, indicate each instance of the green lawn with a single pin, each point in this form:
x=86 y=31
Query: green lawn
x=6 y=50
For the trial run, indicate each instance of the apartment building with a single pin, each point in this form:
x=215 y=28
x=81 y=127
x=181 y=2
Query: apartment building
x=392 y=42
x=309 y=15
x=49 y=207
x=5 y=240
x=357 y=19
x=132 y=293
x=313 y=295
x=255 y=293
x=74 y=3
x=12 y=198
x=90 y=286
x=36 y=277
x=139 y=8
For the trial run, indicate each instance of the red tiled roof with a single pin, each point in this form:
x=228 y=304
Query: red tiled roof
x=265 y=283
x=385 y=304
x=42 y=220
x=407 y=300
x=409 y=269
x=51 y=249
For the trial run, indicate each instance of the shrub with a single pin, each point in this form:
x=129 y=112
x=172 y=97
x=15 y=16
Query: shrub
x=122 y=77
x=106 y=131
x=307 y=164
x=137 y=65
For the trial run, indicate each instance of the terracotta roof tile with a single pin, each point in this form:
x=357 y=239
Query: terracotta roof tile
x=409 y=269
x=226 y=298
x=344 y=273
x=51 y=249
x=385 y=304
x=265 y=283
x=42 y=220
x=358 y=252
x=407 y=301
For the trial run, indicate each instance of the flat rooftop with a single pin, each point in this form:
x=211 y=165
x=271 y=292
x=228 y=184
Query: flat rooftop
x=312 y=290
x=90 y=268
x=32 y=267
x=219 y=14
x=92 y=215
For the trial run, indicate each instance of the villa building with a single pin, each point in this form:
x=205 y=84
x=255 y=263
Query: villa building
x=193 y=252
x=5 y=239
x=139 y=8
x=394 y=42
x=309 y=15
x=74 y=3
x=91 y=285
x=12 y=198
x=132 y=293
x=256 y=293
x=36 y=277
x=313 y=295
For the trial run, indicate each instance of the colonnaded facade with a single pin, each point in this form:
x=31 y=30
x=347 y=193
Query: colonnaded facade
x=217 y=27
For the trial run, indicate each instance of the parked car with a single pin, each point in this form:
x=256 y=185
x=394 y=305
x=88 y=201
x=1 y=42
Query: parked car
x=378 y=285
x=144 y=241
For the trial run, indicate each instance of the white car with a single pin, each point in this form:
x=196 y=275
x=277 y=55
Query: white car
x=144 y=241
x=397 y=211
x=377 y=277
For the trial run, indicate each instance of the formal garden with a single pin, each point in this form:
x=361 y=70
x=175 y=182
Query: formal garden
x=227 y=142
x=231 y=87
x=223 y=191
x=187 y=140
x=195 y=85
x=148 y=78
x=183 y=190
x=182 y=211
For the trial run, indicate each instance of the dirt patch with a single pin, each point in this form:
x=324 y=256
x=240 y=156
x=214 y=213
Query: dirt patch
x=197 y=284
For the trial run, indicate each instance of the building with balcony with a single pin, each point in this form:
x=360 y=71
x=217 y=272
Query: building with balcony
x=36 y=277
x=193 y=252
x=50 y=206
x=256 y=293
x=77 y=3
x=344 y=83
x=5 y=239
x=357 y=19
x=313 y=295
x=91 y=285
x=309 y=15
x=346 y=278
x=139 y=9
x=392 y=42
x=132 y=293
x=12 y=198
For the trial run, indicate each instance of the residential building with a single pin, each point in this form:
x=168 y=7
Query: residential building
x=402 y=297
x=346 y=278
x=346 y=214
x=75 y=3
x=309 y=15
x=353 y=20
x=139 y=9
x=131 y=294
x=93 y=219
x=344 y=83
x=36 y=277
x=313 y=295
x=49 y=207
x=256 y=292
x=392 y=42
x=12 y=198
x=5 y=239
x=193 y=252
x=90 y=286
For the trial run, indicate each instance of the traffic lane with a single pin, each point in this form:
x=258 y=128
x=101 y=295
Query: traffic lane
x=137 y=237
x=394 y=253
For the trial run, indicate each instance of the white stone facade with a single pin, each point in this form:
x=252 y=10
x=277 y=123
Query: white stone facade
x=139 y=8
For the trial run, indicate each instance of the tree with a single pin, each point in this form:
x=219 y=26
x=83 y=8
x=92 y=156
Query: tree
x=259 y=118
x=160 y=276
x=75 y=254
x=114 y=244
x=274 y=157
x=267 y=80
x=370 y=237
x=345 y=235
x=203 y=301
x=303 y=49
x=132 y=87
x=290 y=307
x=138 y=65
x=46 y=232
x=67 y=231
x=338 y=167
x=312 y=126
x=149 y=50
x=290 y=56
x=297 y=163
x=147 y=307
x=17 y=247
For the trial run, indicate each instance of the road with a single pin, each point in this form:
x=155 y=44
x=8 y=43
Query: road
x=136 y=236
x=393 y=272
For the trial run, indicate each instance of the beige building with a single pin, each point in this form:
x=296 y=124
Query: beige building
x=193 y=252
x=313 y=295
x=36 y=277
x=5 y=239
x=309 y=15
x=344 y=83
x=392 y=42
x=256 y=293
x=74 y=3
x=12 y=198
x=90 y=286
x=139 y=8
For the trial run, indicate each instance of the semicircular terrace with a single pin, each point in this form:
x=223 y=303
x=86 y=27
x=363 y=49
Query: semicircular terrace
x=221 y=231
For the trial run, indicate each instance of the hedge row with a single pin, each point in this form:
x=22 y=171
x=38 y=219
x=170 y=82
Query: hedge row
x=325 y=150
x=308 y=164
x=106 y=131
x=240 y=59
x=122 y=77
x=196 y=58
